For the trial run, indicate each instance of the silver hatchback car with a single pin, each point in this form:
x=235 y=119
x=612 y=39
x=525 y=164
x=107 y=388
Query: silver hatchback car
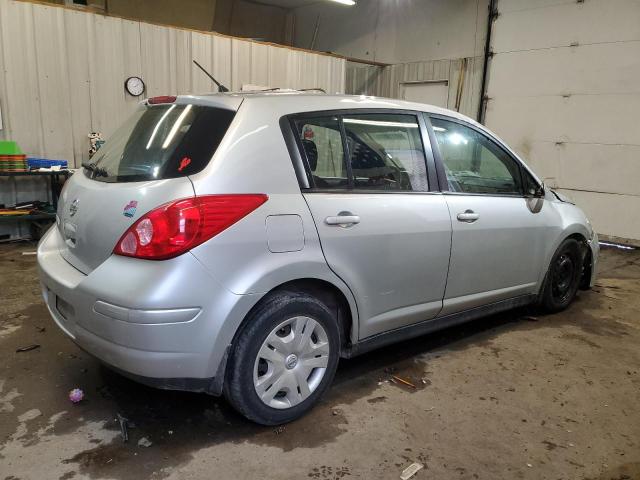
x=240 y=244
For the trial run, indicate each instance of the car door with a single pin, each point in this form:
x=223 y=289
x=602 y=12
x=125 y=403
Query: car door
x=499 y=235
x=382 y=230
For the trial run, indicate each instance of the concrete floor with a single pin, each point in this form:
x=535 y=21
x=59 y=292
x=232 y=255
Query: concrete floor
x=511 y=396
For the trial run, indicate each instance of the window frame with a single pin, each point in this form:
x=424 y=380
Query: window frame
x=302 y=167
x=442 y=176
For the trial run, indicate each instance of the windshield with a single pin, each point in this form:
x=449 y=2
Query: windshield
x=161 y=141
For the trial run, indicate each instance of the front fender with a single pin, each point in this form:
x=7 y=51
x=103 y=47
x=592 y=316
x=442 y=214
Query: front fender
x=573 y=223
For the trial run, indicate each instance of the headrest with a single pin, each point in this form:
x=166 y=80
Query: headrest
x=312 y=153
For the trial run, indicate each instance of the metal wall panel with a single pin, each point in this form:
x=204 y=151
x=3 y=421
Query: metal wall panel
x=21 y=106
x=62 y=72
x=609 y=119
x=79 y=81
x=214 y=54
x=545 y=24
x=589 y=69
x=563 y=91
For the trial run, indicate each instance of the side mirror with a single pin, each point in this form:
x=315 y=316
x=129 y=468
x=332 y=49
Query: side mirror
x=537 y=191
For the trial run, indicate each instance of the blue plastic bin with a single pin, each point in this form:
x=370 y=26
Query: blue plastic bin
x=36 y=163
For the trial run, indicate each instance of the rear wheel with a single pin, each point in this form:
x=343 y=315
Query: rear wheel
x=284 y=359
x=563 y=278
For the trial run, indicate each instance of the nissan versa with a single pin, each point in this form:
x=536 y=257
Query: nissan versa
x=240 y=244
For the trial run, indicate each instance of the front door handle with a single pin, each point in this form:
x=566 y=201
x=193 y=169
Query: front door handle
x=343 y=219
x=469 y=216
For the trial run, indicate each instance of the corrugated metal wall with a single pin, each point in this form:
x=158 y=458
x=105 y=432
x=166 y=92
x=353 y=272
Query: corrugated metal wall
x=387 y=81
x=564 y=91
x=62 y=72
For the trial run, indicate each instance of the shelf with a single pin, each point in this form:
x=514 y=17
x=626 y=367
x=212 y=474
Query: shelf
x=66 y=173
x=23 y=218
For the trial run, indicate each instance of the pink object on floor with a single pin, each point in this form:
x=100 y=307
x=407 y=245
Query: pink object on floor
x=76 y=395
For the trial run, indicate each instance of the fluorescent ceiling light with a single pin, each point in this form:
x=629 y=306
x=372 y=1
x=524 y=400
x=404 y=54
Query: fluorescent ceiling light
x=345 y=2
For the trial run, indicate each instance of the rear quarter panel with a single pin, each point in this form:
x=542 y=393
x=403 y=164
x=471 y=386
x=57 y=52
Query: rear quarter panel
x=253 y=158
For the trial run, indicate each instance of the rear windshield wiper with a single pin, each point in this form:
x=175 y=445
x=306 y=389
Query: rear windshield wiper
x=95 y=170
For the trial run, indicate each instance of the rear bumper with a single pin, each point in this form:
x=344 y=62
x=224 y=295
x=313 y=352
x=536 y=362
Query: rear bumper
x=165 y=323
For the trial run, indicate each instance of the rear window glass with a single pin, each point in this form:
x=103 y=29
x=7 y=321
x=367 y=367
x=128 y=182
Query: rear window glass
x=161 y=141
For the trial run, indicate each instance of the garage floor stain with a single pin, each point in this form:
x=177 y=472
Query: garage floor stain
x=557 y=392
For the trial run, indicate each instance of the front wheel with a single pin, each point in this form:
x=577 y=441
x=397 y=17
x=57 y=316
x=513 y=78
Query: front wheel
x=563 y=278
x=284 y=359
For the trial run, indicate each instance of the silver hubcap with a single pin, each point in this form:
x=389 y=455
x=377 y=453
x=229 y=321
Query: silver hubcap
x=291 y=362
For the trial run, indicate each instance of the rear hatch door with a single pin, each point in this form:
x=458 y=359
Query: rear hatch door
x=144 y=164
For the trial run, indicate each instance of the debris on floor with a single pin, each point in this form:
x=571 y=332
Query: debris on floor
x=396 y=379
x=124 y=432
x=28 y=348
x=144 y=442
x=76 y=395
x=411 y=470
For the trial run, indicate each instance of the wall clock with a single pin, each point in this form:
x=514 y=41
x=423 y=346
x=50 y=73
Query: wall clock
x=134 y=86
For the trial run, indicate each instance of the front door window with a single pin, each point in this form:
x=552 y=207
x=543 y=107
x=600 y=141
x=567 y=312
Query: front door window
x=473 y=163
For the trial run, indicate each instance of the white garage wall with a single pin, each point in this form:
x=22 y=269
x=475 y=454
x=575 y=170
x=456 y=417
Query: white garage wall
x=420 y=40
x=395 y=31
x=463 y=73
x=564 y=90
x=62 y=72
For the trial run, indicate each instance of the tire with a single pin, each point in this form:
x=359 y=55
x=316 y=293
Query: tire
x=563 y=277
x=276 y=350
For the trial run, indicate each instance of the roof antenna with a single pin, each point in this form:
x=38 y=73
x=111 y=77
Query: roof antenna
x=221 y=88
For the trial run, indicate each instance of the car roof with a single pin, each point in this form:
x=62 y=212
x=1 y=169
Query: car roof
x=288 y=102
x=294 y=101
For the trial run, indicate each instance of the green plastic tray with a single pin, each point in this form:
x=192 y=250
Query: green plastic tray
x=8 y=147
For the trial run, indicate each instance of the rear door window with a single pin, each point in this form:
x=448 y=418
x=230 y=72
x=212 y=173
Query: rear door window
x=322 y=147
x=162 y=141
x=384 y=151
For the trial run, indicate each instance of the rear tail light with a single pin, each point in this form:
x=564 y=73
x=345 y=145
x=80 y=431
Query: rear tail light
x=176 y=227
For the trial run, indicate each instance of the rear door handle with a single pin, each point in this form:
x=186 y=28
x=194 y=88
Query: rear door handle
x=469 y=216
x=343 y=219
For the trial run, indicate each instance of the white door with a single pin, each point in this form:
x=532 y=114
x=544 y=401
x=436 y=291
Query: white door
x=432 y=93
